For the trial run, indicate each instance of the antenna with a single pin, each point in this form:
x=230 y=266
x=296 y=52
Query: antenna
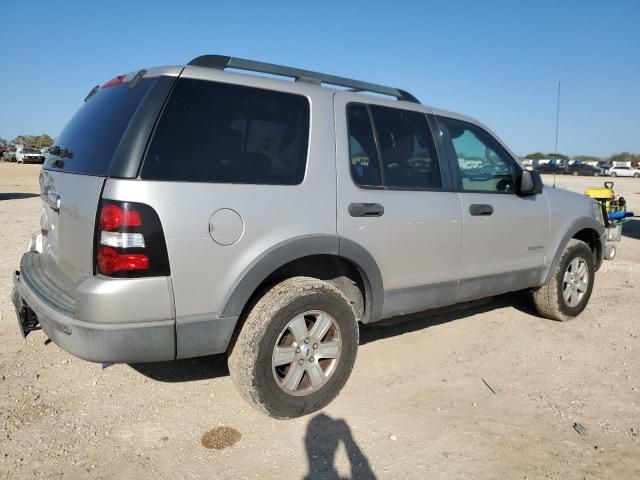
x=555 y=151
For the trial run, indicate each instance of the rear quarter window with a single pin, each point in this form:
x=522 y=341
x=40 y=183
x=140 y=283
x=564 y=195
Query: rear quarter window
x=88 y=142
x=217 y=132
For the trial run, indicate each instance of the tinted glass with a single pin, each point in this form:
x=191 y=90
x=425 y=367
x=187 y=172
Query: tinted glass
x=408 y=153
x=365 y=165
x=484 y=164
x=88 y=142
x=216 y=132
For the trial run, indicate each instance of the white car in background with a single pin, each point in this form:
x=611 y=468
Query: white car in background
x=28 y=155
x=623 y=172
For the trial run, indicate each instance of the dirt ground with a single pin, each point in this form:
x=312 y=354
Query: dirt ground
x=416 y=406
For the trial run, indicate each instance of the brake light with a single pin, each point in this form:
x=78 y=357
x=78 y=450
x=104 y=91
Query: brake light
x=114 y=81
x=129 y=241
x=113 y=217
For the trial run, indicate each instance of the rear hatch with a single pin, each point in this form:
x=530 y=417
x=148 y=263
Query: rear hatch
x=86 y=152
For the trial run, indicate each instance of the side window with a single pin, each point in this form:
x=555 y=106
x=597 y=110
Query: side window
x=363 y=154
x=408 y=153
x=218 y=132
x=405 y=156
x=484 y=165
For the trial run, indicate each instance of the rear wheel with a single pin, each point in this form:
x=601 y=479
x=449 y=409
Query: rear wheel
x=568 y=290
x=636 y=175
x=575 y=173
x=296 y=348
x=614 y=174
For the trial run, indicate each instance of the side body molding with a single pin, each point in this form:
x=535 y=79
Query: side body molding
x=304 y=246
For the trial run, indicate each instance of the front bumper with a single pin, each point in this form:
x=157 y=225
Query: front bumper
x=97 y=342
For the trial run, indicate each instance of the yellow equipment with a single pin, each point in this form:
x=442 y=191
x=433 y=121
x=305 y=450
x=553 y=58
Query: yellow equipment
x=614 y=212
x=607 y=198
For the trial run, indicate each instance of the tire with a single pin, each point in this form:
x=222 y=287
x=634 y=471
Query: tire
x=596 y=174
x=575 y=174
x=610 y=252
x=269 y=325
x=614 y=174
x=549 y=299
x=636 y=175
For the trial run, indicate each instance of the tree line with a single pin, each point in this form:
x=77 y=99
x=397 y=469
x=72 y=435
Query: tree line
x=33 y=141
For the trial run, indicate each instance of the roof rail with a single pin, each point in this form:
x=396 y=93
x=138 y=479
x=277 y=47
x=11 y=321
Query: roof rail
x=221 y=62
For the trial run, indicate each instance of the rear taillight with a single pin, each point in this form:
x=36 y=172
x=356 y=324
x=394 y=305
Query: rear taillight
x=129 y=241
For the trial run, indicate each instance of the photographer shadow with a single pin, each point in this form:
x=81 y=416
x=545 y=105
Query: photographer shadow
x=322 y=440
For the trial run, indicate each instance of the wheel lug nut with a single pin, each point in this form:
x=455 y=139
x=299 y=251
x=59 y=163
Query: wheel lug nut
x=298 y=350
x=315 y=345
x=306 y=340
x=311 y=359
x=301 y=361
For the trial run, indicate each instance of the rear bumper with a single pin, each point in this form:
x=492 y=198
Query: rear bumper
x=98 y=342
x=114 y=321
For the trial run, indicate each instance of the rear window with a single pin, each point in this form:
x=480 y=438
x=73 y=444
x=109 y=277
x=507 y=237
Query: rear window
x=88 y=142
x=217 y=132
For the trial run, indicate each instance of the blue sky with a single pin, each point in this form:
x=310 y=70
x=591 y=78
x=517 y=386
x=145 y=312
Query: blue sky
x=497 y=61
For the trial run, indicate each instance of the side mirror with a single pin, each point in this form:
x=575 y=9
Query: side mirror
x=530 y=183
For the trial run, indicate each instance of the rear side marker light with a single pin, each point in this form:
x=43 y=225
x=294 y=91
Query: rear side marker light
x=122 y=239
x=110 y=261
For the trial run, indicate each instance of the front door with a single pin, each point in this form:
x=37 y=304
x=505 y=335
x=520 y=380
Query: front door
x=395 y=200
x=505 y=235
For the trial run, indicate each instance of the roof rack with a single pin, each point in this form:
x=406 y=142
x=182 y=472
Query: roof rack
x=221 y=62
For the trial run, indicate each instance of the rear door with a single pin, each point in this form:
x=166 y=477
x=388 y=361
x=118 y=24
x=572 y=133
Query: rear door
x=395 y=200
x=73 y=175
x=505 y=235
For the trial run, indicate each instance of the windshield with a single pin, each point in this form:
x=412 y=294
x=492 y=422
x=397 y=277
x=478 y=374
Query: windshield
x=88 y=142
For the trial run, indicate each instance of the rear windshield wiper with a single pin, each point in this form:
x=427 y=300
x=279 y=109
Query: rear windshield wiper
x=61 y=153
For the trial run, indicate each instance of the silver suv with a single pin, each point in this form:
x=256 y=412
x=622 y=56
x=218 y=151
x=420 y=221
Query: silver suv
x=189 y=210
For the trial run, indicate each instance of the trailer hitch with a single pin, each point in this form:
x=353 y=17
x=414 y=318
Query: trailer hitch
x=28 y=320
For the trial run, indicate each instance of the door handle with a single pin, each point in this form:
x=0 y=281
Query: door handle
x=366 y=210
x=480 y=210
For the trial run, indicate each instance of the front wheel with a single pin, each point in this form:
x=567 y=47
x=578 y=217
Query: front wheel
x=296 y=348
x=568 y=290
x=614 y=174
x=636 y=175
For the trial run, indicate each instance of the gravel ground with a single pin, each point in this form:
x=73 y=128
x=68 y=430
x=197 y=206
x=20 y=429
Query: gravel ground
x=561 y=400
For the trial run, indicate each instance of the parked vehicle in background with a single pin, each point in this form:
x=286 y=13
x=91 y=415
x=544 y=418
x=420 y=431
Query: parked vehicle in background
x=623 y=172
x=311 y=230
x=29 y=155
x=557 y=168
x=584 y=169
x=10 y=153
